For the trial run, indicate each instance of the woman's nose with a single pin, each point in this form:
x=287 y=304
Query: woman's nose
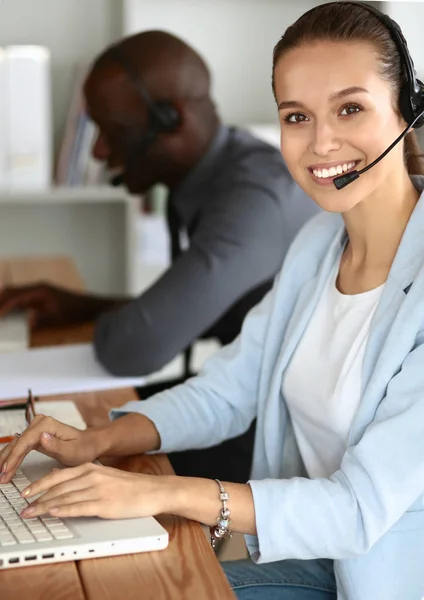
x=325 y=139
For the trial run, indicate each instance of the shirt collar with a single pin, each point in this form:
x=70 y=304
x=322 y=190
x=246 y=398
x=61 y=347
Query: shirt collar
x=188 y=196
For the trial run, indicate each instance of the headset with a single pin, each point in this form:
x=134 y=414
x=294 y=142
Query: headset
x=411 y=96
x=162 y=117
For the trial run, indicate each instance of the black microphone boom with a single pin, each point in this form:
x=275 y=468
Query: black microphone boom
x=344 y=180
x=117 y=180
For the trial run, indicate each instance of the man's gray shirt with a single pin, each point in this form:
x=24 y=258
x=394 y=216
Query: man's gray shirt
x=241 y=210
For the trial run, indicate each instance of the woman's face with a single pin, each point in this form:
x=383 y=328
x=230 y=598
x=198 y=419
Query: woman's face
x=336 y=114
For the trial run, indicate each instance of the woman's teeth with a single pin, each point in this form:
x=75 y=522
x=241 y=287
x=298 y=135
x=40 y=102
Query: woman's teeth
x=333 y=171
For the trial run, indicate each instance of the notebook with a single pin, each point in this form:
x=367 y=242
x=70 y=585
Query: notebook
x=56 y=370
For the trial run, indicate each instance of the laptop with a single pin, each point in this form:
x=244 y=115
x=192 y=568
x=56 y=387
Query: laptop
x=25 y=542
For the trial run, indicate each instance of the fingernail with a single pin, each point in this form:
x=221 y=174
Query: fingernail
x=47 y=436
x=27 y=512
x=26 y=492
x=3 y=470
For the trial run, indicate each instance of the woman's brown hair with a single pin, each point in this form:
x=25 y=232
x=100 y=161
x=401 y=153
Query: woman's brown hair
x=345 y=22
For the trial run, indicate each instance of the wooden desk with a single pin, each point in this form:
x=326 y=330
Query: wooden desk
x=187 y=569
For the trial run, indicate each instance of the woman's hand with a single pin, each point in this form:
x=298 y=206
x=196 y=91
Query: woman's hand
x=66 y=444
x=93 y=490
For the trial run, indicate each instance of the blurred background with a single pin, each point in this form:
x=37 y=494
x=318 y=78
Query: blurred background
x=63 y=205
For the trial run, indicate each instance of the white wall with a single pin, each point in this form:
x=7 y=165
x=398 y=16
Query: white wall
x=235 y=37
x=410 y=16
x=74 y=30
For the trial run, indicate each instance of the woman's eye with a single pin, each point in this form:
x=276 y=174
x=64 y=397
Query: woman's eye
x=350 y=109
x=295 y=118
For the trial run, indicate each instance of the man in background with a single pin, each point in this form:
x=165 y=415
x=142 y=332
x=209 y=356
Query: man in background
x=233 y=210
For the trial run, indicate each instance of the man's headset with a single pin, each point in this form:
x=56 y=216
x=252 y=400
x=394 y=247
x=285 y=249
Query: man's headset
x=411 y=97
x=162 y=116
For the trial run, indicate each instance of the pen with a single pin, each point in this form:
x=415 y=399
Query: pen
x=7 y=439
x=29 y=414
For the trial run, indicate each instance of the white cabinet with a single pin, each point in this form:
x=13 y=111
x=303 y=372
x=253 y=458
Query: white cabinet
x=96 y=227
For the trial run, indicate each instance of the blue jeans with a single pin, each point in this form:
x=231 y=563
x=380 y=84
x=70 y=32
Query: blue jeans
x=283 y=580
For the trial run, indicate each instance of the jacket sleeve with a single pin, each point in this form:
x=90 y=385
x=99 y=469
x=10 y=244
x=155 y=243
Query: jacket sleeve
x=219 y=403
x=238 y=245
x=379 y=480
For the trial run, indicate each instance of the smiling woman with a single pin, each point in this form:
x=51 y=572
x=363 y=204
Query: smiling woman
x=330 y=362
x=369 y=110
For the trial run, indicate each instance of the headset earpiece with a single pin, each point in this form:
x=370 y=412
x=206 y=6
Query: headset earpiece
x=411 y=96
x=167 y=117
x=163 y=116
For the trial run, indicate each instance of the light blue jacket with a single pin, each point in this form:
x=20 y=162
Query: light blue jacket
x=369 y=515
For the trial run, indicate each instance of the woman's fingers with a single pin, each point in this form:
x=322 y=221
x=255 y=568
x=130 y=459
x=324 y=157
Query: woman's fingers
x=88 y=508
x=19 y=448
x=4 y=454
x=43 y=430
x=62 y=487
x=78 y=503
x=73 y=485
x=55 y=479
x=6 y=451
x=92 y=490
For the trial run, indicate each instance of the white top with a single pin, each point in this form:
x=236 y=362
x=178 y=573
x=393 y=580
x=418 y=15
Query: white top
x=322 y=383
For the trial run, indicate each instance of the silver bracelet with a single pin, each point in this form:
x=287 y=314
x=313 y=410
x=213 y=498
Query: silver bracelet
x=222 y=529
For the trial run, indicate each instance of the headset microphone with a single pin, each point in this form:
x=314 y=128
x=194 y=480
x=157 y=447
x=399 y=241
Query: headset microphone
x=344 y=180
x=117 y=180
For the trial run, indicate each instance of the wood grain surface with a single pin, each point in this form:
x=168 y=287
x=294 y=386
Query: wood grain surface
x=186 y=570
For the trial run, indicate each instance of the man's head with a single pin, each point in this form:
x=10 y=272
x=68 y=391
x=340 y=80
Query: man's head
x=150 y=97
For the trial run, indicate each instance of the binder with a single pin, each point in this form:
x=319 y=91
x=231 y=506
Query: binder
x=3 y=122
x=29 y=118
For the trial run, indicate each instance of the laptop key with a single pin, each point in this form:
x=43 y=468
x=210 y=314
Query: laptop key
x=17 y=526
x=18 y=506
x=21 y=485
x=24 y=538
x=42 y=537
x=36 y=528
x=7 y=541
x=54 y=526
x=10 y=517
x=62 y=535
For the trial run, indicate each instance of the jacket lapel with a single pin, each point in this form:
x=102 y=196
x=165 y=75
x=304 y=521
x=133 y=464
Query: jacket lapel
x=275 y=412
x=387 y=326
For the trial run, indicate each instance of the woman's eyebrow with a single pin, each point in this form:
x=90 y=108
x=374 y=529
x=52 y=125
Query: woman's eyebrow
x=335 y=96
x=347 y=92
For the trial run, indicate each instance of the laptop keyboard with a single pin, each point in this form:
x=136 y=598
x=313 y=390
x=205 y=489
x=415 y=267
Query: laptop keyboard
x=13 y=529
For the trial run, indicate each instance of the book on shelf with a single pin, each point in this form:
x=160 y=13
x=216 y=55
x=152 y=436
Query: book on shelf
x=75 y=165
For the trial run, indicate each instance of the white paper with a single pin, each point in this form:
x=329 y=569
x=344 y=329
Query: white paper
x=56 y=370
x=63 y=411
x=12 y=421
